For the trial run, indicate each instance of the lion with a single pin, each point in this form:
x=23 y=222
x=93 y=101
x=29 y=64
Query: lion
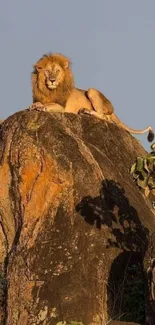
x=53 y=90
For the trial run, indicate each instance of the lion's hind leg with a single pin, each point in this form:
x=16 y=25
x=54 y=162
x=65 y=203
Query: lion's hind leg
x=100 y=103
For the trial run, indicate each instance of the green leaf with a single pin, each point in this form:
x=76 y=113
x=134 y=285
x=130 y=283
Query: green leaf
x=145 y=165
x=133 y=167
x=140 y=164
x=142 y=183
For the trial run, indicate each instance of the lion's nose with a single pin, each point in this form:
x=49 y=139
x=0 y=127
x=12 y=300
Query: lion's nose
x=52 y=80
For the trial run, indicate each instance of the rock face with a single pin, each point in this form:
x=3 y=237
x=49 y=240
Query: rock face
x=121 y=323
x=76 y=234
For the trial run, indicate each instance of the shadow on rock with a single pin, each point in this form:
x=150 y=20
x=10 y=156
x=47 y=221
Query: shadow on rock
x=125 y=288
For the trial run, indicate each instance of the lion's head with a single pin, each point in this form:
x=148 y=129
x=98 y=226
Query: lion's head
x=53 y=71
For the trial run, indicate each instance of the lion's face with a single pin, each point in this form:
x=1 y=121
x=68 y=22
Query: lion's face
x=52 y=73
x=52 y=79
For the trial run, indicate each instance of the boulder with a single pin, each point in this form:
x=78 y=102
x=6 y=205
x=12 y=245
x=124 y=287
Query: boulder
x=76 y=234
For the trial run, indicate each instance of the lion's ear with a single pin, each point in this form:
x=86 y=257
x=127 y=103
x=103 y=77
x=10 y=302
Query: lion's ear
x=37 y=67
x=66 y=64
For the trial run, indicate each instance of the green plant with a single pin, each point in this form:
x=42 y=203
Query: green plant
x=143 y=171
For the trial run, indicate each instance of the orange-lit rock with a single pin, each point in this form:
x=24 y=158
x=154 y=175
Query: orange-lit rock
x=73 y=224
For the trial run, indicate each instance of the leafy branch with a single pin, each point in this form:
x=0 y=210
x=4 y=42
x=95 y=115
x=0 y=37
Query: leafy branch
x=143 y=171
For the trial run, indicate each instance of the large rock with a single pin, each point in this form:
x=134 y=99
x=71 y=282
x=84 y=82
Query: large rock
x=76 y=234
x=121 y=323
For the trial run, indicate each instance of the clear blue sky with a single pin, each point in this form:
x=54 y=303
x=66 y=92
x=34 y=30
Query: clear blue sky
x=111 y=44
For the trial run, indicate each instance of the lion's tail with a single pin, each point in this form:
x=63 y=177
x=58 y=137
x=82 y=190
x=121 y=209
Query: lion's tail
x=149 y=129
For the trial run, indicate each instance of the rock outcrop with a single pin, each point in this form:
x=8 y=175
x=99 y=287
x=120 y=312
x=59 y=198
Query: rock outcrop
x=76 y=235
x=121 y=323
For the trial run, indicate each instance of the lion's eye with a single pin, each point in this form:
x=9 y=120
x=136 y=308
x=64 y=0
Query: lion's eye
x=58 y=70
x=46 y=72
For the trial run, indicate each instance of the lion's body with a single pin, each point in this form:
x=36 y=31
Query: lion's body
x=77 y=100
x=53 y=90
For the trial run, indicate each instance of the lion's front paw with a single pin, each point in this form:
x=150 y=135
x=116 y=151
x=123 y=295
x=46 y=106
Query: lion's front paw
x=37 y=106
x=84 y=111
